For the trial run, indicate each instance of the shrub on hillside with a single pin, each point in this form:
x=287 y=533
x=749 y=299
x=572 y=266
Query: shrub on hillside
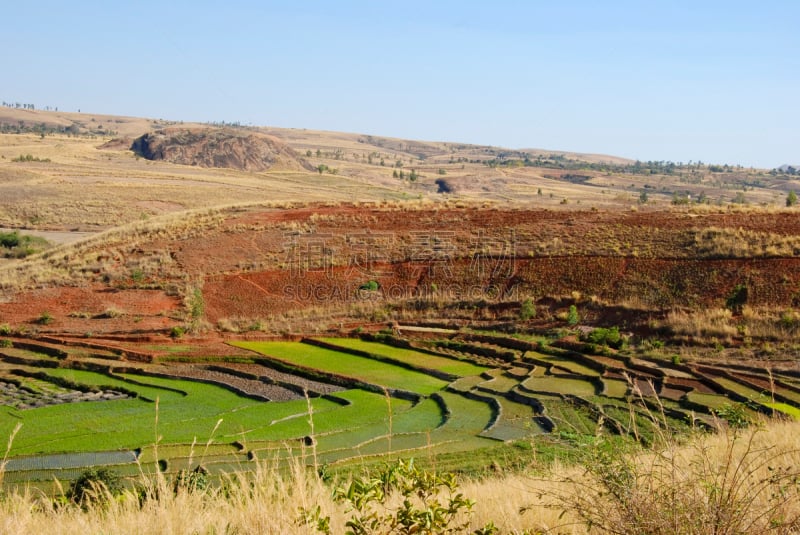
x=431 y=503
x=609 y=337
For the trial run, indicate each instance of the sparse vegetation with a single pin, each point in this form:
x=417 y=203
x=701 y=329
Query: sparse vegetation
x=527 y=310
x=572 y=316
x=15 y=245
x=29 y=158
x=742 y=243
x=736 y=484
x=609 y=337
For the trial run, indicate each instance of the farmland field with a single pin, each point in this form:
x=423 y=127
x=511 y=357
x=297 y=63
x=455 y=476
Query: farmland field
x=409 y=356
x=368 y=370
x=183 y=420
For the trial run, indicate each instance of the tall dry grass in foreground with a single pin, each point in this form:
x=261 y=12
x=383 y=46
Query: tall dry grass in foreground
x=733 y=482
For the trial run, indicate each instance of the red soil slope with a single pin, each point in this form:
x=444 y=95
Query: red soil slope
x=263 y=262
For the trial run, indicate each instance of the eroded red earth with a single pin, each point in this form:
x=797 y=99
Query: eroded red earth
x=259 y=264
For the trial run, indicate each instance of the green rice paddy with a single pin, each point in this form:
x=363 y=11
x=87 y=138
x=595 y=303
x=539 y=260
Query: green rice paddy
x=371 y=371
x=185 y=422
x=409 y=356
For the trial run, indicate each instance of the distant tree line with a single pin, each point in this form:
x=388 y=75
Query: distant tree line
x=22 y=127
x=231 y=124
x=787 y=170
x=23 y=106
x=560 y=161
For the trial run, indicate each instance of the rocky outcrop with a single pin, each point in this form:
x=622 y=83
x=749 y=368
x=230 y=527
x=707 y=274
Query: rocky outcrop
x=219 y=147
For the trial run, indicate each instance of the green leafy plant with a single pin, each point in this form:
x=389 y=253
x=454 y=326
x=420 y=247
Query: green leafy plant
x=370 y=286
x=735 y=414
x=94 y=486
x=16 y=245
x=609 y=337
x=197 y=304
x=45 y=318
x=177 y=332
x=431 y=503
x=737 y=298
x=572 y=315
x=137 y=276
x=191 y=480
x=527 y=310
x=9 y=239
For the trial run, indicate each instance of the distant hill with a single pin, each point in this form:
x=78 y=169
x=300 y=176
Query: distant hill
x=14 y=120
x=219 y=147
x=77 y=171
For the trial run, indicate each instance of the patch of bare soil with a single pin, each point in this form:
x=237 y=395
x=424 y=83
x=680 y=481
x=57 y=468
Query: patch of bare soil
x=94 y=309
x=251 y=387
x=281 y=377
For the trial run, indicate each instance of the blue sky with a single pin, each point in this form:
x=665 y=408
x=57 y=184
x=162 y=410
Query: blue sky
x=663 y=80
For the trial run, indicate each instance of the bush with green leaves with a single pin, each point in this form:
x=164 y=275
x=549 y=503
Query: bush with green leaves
x=737 y=299
x=431 y=504
x=94 y=486
x=16 y=245
x=737 y=415
x=609 y=337
x=177 y=332
x=197 y=304
x=370 y=286
x=191 y=480
x=9 y=239
x=527 y=310
x=572 y=316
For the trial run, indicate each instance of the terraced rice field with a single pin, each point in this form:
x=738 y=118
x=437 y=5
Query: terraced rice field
x=409 y=356
x=365 y=369
x=560 y=385
x=562 y=363
x=226 y=415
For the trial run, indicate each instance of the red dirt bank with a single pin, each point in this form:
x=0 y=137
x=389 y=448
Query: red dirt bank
x=259 y=263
